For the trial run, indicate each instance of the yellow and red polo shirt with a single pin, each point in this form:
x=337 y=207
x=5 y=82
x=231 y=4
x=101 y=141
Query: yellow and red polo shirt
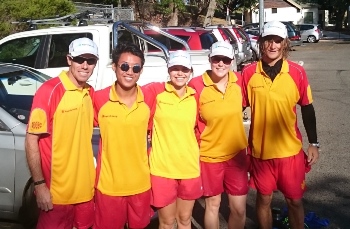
x=122 y=164
x=175 y=152
x=220 y=125
x=63 y=115
x=274 y=131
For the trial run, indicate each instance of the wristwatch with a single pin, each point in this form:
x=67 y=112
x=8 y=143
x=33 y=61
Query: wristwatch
x=317 y=144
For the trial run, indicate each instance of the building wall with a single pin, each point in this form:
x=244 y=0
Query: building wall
x=315 y=18
x=283 y=14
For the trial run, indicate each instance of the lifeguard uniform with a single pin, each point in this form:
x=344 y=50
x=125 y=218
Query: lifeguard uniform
x=123 y=176
x=274 y=131
x=63 y=115
x=174 y=154
x=221 y=134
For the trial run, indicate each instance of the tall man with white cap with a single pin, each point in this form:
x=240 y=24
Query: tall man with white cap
x=272 y=88
x=58 y=143
x=222 y=138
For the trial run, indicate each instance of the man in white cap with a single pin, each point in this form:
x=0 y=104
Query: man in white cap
x=222 y=138
x=272 y=87
x=58 y=143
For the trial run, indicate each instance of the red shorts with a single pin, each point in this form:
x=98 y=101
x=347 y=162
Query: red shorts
x=165 y=190
x=80 y=216
x=116 y=211
x=230 y=176
x=285 y=174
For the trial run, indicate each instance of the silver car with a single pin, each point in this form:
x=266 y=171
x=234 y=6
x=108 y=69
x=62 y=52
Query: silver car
x=18 y=85
x=311 y=33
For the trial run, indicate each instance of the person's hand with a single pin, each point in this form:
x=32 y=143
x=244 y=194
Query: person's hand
x=43 y=197
x=312 y=154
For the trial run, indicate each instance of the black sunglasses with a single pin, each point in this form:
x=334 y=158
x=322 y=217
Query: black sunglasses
x=125 y=67
x=81 y=60
x=217 y=59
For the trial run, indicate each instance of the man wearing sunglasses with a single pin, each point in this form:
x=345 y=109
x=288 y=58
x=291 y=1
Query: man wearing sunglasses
x=272 y=87
x=222 y=137
x=58 y=143
x=123 y=175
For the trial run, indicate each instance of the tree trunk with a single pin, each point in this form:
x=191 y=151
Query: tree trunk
x=174 y=19
x=210 y=13
x=339 y=18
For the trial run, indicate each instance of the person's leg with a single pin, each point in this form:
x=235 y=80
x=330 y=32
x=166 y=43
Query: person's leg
x=263 y=211
x=237 y=216
x=295 y=213
x=236 y=187
x=110 y=211
x=139 y=210
x=292 y=185
x=61 y=216
x=211 y=216
x=167 y=216
x=188 y=191
x=184 y=213
x=84 y=214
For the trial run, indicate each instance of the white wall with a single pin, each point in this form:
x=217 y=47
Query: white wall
x=283 y=14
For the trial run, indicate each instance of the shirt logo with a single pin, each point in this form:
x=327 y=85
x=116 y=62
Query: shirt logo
x=303 y=185
x=36 y=125
x=69 y=110
x=254 y=87
x=109 y=116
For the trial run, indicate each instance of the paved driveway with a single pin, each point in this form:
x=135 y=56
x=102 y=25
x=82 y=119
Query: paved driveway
x=328 y=68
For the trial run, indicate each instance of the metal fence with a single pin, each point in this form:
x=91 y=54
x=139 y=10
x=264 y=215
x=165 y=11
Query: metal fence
x=99 y=12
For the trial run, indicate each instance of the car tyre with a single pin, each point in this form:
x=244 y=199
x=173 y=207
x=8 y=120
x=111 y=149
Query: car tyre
x=29 y=212
x=311 y=39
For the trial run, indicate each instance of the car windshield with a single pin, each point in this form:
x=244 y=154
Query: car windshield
x=17 y=89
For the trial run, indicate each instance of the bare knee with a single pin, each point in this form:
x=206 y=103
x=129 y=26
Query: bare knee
x=294 y=203
x=166 y=223
x=213 y=203
x=263 y=200
x=184 y=220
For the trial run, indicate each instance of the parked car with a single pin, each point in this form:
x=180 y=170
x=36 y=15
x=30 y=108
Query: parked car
x=243 y=42
x=311 y=33
x=253 y=37
x=224 y=34
x=196 y=39
x=292 y=30
x=18 y=85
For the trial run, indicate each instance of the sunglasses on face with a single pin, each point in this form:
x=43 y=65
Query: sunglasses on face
x=125 y=67
x=81 y=60
x=217 y=59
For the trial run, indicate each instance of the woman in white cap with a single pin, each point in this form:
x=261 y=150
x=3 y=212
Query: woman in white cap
x=272 y=88
x=222 y=138
x=174 y=152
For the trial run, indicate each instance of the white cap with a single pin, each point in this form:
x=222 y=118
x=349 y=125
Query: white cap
x=181 y=58
x=221 y=48
x=274 y=28
x=82 y=46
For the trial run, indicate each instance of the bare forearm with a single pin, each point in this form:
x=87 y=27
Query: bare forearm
x=33 y=157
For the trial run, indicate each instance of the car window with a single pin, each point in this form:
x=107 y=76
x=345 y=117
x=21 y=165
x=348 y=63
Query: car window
x=207 y=39
x=174 y=45
x=59 y=48
x=158 y=37
x=17 y=89
x=21 y=51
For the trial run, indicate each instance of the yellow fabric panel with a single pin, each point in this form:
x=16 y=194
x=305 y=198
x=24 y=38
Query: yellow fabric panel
x=124 y=168
x=175 y=151
x=72 y=156
x=224 y=135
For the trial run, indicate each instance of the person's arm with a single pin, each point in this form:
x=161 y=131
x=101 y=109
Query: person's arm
x=309 y=120
x=43 y=195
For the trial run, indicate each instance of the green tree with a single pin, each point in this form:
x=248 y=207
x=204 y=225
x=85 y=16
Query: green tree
x=20 y=10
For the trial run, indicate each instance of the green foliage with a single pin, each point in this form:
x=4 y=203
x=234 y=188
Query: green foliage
x=163 y=7
x=19 y=10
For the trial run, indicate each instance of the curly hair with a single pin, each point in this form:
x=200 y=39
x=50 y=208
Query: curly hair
x=285 y=46
x=127 y=47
